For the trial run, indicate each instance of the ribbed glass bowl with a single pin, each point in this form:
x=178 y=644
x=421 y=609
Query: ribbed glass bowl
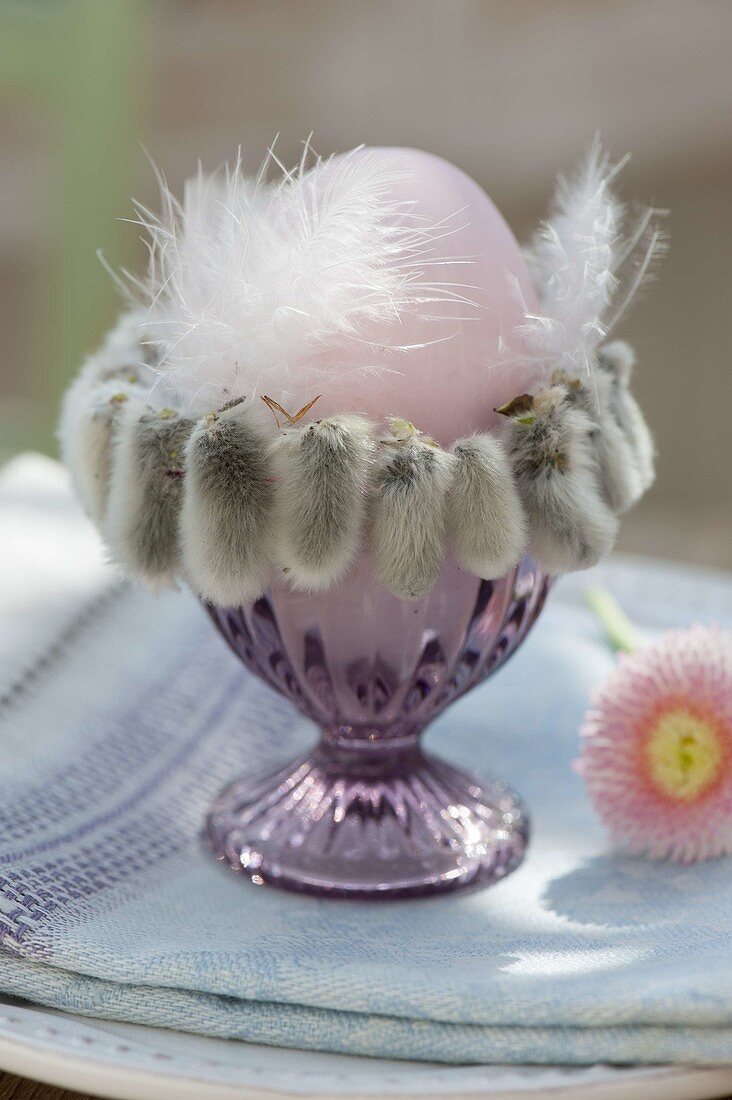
x=367 y=813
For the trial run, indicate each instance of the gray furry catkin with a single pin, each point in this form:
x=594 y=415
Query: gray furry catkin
x=619 y=473
x=226 y=518
x=412 y=481
x=90 y=417
x=486 y=520
x=320 y=501
x=93 y=406
x=616 y=361
x=570 y=525
x=617 y=469
x=145 y=493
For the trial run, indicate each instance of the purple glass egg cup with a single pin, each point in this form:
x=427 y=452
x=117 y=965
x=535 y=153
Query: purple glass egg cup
x=367 y=813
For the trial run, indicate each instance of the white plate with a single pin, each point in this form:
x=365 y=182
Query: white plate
x=127 y=1062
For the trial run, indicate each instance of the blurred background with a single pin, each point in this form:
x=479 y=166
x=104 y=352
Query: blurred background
x=511 y=92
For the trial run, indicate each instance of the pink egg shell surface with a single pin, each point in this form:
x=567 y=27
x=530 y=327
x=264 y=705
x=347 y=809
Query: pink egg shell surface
x=461 y=358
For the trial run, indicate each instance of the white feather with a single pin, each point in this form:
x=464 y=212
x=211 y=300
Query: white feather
x=249 y=279
x=588 y=260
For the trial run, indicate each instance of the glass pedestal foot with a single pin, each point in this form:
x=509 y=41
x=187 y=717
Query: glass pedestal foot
x=385 y=823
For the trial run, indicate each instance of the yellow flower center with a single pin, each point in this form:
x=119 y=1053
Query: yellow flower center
x=684 y=754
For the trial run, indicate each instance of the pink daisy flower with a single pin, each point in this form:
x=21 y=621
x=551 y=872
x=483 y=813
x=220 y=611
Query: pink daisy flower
x=657 y=747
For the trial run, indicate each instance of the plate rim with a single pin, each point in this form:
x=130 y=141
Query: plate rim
x=28 y=1056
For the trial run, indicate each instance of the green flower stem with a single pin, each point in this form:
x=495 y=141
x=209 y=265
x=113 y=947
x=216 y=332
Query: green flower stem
x=619 y=630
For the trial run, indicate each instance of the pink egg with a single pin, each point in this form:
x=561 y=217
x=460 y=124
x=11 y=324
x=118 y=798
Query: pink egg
x=463 y=357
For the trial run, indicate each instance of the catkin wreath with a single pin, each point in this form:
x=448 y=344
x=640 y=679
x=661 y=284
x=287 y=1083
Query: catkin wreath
x=228 y=497
x=225 y=500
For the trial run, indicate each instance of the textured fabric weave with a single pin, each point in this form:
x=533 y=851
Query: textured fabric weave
x=122 y=716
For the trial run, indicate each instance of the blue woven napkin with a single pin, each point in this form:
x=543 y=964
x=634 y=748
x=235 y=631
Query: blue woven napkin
x=130 y=714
